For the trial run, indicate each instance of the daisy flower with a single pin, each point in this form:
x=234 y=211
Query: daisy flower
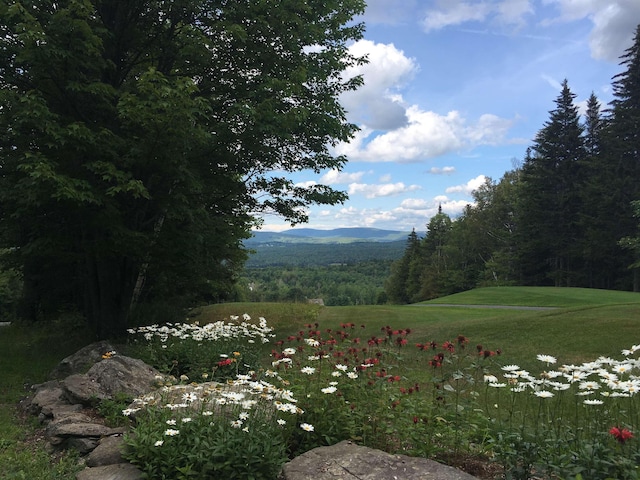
x=543 y=394
x=306 y=427
x=548 y=359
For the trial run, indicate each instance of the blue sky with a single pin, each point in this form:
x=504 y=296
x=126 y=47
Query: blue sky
x=454 y=92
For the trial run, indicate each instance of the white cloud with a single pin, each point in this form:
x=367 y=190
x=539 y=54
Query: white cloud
x=614 y=23
x=555 y=84
x=442 y=171
x=455 y=12
x=382 y=190
x=427 y=135
x=468 y=187
x=377 y=104
x=334 y=177
x=414 y=204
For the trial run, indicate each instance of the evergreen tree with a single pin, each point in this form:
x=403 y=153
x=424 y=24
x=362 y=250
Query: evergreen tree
x=623 y=149
x=399 y=280
x=435 y=257
x=599 y=249
x=550 y=199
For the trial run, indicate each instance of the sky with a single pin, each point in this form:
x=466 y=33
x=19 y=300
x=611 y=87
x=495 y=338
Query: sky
x=454 y=93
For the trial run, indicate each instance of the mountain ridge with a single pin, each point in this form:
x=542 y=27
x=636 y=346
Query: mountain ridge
x=336 y=235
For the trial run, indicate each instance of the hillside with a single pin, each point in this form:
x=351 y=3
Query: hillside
x=322 y=254
x=335 y=236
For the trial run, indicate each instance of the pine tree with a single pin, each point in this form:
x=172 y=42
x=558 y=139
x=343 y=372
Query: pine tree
x=549 y=197
x=623 y=148
x=599 y=249
x=399 y=281
x=435 y=260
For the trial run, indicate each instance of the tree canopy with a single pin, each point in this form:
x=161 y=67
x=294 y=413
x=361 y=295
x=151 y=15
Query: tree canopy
x=141 y=140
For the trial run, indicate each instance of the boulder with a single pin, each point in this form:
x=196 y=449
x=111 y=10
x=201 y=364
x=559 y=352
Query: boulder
x=349 y=461
x=111 y=376
x=108 y=452
x=81 y=361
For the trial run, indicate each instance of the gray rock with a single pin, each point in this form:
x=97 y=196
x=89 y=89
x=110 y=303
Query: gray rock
x=82 y=445
x=348 y=461
x=80 y=388
x=108 y=452
x=119 y=471
x=81 y=361
x=116 y=375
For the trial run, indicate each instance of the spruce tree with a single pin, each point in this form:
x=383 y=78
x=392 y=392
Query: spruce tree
x=623 y=149
x=550 y=199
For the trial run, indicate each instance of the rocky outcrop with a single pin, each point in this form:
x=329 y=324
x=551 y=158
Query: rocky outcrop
x=65 y=406
x=349 y=461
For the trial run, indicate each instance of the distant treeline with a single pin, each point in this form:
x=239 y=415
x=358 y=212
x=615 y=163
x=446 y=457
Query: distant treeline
x=359 y=283
x=307 y=254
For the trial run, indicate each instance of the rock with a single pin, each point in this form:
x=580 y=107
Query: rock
x=82 y=445
x=119 y=471
x=78 y=431
x=348 y=461
x=80 y=388
x=81 y=361
x=108 y=452
x=109 y=377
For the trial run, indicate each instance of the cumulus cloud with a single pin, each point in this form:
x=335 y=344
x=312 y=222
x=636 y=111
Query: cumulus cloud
x=426 y=135
x=456 y=12
x=334 y=177
x=468 y=187
x=442 y=171
x=377 y=104
x=614 y=23
x=382 y=190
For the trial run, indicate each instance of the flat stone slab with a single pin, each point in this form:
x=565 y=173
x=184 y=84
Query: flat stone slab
x=348 y=461
x=119 y=471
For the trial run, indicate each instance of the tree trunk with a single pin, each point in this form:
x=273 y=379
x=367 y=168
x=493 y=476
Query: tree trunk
x=110 y=286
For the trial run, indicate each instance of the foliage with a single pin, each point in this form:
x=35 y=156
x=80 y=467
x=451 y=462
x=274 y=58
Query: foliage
x=141 y=140
x=362 y=389
x=233 y=434
x=217 y=350
x=567 y=421
x=357 y=284
x=311 y=255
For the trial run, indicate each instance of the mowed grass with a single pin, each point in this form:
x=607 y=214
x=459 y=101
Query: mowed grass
x=585 y=324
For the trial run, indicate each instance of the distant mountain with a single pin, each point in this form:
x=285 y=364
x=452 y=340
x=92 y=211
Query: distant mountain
x=337 y=235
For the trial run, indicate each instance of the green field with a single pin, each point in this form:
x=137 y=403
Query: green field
x=584 y=325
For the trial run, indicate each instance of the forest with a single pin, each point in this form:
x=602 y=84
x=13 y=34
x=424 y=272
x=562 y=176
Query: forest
x=338 y=273
x=565 y=216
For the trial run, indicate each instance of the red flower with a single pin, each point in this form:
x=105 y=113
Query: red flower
x=621 y=434
x=449 y=346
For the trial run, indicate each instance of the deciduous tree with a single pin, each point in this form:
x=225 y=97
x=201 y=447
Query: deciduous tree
x=140 y=140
